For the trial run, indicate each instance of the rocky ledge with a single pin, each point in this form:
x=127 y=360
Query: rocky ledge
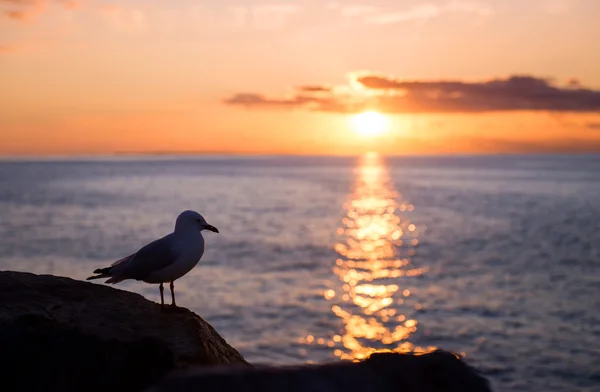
x=74 y=335
x=61 y=334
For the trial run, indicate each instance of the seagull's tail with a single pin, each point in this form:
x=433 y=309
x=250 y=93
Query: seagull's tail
x=106 y=272
x=97 y=277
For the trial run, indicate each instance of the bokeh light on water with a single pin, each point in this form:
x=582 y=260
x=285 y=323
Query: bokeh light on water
x=376 y=245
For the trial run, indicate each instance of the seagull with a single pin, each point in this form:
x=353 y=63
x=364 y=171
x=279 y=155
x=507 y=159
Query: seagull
x=164 y=260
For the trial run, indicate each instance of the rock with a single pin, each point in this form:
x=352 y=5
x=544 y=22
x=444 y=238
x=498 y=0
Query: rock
x=61 y=334
x=66 y=335
x=435 y=372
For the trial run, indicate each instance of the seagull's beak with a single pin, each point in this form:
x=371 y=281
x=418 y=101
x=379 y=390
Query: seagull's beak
x=211 y=228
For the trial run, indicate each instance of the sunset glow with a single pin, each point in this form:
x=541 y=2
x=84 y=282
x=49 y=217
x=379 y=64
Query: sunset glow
x=369 y=124
x=284 y=78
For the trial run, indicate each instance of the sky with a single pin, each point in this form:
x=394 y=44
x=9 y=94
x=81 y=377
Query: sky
x=87 y=77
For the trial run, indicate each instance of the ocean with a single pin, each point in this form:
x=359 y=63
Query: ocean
x=320 y=258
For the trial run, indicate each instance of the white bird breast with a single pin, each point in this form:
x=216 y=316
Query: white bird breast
x=189 y=250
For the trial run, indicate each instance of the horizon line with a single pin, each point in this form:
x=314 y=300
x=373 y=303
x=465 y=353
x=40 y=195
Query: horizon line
x=212 y=154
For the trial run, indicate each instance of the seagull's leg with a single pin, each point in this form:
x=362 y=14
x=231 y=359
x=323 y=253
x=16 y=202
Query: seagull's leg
x=162 y=299
x=173 y=295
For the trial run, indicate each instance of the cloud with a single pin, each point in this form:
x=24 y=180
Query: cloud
x=130 y=20
x=392 y=95
x=253 y=100
x=424 y=11
x=327 y=103
x=6 y=48
x=557 y=7
x=475 y=8
x=25 y=10
x=593 y=125
x=498 y=145
x=356 y=10
x=263 y=16
x=428 y=11
x=512 y=93
x=314 y=89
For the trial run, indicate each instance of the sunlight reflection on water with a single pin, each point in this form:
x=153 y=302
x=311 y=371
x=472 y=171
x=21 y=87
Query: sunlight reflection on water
x=375 y=248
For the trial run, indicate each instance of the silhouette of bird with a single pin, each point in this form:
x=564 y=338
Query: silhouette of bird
x=164 y=260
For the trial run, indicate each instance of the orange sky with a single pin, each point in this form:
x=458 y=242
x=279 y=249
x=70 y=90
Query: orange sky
x=92 y=77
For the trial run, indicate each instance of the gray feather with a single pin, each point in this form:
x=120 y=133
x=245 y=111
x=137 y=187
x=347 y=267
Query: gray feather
x=155 y=256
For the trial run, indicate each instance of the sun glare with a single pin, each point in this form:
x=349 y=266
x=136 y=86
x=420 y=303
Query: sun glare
x=369 y=124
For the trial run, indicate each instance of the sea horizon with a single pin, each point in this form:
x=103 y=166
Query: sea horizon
x=208 y=155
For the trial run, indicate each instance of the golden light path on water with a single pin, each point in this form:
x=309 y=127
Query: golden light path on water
x=375 y=250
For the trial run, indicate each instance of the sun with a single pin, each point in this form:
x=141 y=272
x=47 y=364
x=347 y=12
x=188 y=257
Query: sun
x=369 y=124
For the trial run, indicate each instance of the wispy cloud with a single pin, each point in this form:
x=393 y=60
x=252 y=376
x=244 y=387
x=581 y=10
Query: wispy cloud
x=263 y=16
x=131 y=20
x=554 y=145
x=557 y=7
x=357 y=10
x=390 y=15
x=476 y=8
x=25 y=10
x=314 y=89
x=253 y=100
x=6 y=48
x=25 y=46
x=424 y=11
x=393 y=95
x=301 y=100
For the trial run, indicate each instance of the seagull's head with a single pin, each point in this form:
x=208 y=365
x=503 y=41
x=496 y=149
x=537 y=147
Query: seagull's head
x=192 y=219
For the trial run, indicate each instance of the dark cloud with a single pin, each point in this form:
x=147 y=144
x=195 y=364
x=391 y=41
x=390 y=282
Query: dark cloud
x=559 y=145
x=593 y=125
x=460 y=143
x=392 y=95
x=250 y=100
x=330 y=103
x=513 y=93
x=314 y=89
x=574 y=82
x=24 y=10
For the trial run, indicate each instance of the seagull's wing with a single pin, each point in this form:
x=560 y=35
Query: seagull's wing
x=152 y=257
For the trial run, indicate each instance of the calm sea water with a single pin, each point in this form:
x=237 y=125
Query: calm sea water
x=495 y=257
